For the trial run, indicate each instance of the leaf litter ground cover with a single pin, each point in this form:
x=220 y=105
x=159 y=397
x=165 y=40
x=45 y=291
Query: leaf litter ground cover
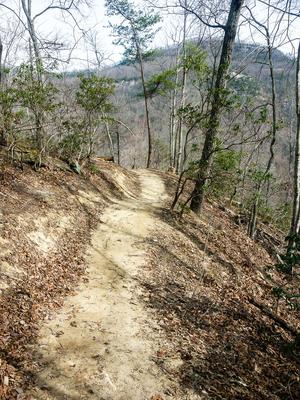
x=200 y=279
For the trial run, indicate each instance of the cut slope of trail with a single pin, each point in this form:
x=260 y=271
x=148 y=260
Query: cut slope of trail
x=101 y=344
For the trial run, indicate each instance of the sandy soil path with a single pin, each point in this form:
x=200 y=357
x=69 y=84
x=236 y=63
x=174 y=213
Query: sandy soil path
x=101 y=344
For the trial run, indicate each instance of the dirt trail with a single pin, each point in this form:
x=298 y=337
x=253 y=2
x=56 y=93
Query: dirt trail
x=101 y=344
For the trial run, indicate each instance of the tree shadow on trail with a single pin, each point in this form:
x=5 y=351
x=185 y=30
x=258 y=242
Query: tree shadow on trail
x=227 y=350
x=227 y=347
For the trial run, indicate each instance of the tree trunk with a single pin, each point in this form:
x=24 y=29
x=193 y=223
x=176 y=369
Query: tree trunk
x=174 y=130
x=179 y=163
x=3 y=139
x=171 y=130
x=253 y=219
x=110 y=142
x=141 y=62
x=35 y=60
x=217 y=104
x=1 y=52
x=118 y=145
x=147 y=117
x=31 y=30
x=295 y=222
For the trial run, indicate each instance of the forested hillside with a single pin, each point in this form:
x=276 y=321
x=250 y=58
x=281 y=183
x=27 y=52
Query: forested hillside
x=245 y=126
x=249 y=78
x=149 y=199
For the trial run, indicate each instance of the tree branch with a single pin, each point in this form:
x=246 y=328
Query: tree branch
x=57 y=7
x=279 y=9
x=13 y=11
x=214 y=26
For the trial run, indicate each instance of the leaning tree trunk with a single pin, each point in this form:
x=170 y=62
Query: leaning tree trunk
x=295 y=222
x=217 y=104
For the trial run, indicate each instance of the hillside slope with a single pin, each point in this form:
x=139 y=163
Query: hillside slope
x=46 y=222
x=157 y=307
x=212 y=288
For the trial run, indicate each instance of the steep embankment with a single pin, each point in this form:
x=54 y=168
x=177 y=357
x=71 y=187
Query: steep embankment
x=212 y=289
x=164 y=307
x=46 y=222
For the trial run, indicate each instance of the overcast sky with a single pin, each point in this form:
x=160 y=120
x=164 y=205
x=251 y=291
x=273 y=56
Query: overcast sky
x=94 y=21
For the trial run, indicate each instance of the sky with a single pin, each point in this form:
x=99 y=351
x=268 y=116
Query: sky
x=94 y=23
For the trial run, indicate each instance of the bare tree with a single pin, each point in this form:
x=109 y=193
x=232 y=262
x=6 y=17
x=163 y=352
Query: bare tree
x=179 y=134
x=274 y=28
x=295 y=222
x=36 y=47
x=1 y=54
x=3 y=141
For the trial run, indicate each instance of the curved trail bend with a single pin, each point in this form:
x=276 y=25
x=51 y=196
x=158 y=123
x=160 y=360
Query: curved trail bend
x=102 y=342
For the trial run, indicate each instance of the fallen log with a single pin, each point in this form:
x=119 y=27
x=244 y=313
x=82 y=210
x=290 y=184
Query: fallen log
x=279 y=321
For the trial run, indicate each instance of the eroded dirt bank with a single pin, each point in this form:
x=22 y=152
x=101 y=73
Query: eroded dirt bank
x=46 y=221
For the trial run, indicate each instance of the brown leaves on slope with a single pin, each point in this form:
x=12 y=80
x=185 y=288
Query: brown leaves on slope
x=45 y=275
x=199 y=279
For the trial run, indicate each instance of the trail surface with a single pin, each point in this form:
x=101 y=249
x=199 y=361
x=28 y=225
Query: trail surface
x=102 y=343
